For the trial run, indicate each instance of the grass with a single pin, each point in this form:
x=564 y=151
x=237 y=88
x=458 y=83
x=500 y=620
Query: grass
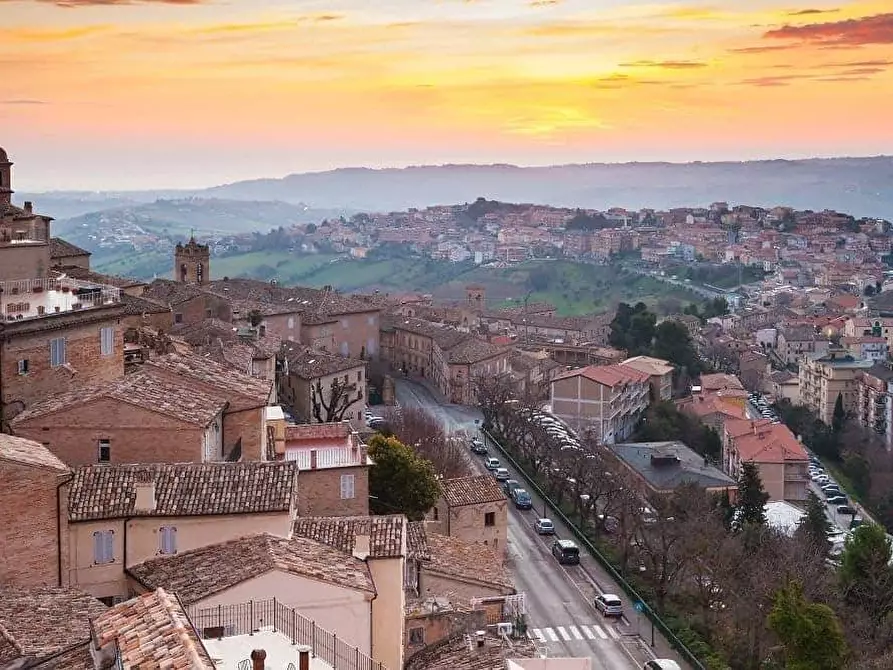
x=282 y=265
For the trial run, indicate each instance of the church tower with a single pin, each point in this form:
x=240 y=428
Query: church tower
x=192 y=263
x=5 y=179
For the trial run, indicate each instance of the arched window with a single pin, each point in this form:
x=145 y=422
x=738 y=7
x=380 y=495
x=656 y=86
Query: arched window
x=199 y=272
x=183 y=272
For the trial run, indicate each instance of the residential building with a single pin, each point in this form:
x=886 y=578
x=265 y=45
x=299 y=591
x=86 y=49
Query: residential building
x=320 y=387
x=874 y=404
x=825 y=377
x=473 y=509
x=463 y=570
x=779 y=456
x=784 y=385
x=605 y=400
x=533 y=372
x=796 y=342
x=712 y=409
x=67 y=255
x=867 y=347
x=334 y=468
x=660 y=374
x=189 y=303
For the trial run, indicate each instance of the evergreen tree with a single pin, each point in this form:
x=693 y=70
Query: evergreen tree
x=750 y=509
x=815 y=526
x=865 y=573
x=400 y=480
x=839 y=417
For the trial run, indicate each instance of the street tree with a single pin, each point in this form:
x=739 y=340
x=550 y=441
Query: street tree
x=750 y=508
x=400 y=481
x=866 y=577
x=810 y=632
x=420 y=429
x=331 y=404
x=815 y=526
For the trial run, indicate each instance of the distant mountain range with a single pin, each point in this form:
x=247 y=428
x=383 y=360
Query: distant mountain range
x=860 y=186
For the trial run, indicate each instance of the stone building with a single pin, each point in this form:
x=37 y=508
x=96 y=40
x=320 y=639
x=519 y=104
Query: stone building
x=192 y=263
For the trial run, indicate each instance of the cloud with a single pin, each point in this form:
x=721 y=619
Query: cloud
x=781 y=80
x=95 y=3
x=762 y=49
x=596 y=29
x=667 y=64
x=544 y=3
x=812 y=12
x=23 y=101
x=877 y=29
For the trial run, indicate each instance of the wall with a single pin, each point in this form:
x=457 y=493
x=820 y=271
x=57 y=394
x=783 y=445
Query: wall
x=319 y=336
x=467 y=523
x=388 y=611
x=137 y=435
x=24 y=262
x=772 y=476
x=344 y=612
x=29 y=547
x=351 y=335
x=319 y=492
x=161 y=321
x=75 y=261
x=439 y=585
x=26 y=341
x=100 y=581
x=286 y=327
x=296 y=393
x=201 y=307
x=247 y=425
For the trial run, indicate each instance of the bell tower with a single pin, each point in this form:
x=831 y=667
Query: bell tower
x=5 y=179
x=192 y=263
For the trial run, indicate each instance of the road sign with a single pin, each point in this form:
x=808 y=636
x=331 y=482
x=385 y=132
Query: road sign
x=640 y=606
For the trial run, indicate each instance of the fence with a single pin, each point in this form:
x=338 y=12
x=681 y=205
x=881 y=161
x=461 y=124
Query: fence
x=248 y=618
x=659 y=623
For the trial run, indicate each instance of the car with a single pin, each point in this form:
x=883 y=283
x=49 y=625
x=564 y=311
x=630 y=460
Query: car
x=846 y=509
x=522 y=499
x=501 y=474
x=566 y=552
x=478 y=447
x=509 y=486
x=609 y=604
x=856 y=522
x=838 y=500
x=491 y=463
x=662 y=664
x=544 y=526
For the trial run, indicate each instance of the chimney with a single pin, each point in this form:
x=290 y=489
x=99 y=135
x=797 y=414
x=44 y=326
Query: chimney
x=258 y=656
x=304 y=657
x=313 y=459
x=361 y=546
x=144 y=487
x=479 y=638
x=29 y=208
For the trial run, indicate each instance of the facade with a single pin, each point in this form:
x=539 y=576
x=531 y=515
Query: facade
x=192 y=263
x=824 y=377
x=780 y=458
x=868 y=347
x=795 y=343
x=472 y=509
x=606 y=400
x=67 y=255
x=784 y=385
x=874 y=404
x=463 y=570
x=660 y=374
x=712 y=409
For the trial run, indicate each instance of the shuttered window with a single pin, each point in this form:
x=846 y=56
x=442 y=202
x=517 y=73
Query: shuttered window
x=107 y=341
x=104 y=546
x=57 y=352
x=168 y=539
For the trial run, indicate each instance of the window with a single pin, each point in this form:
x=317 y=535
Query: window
x=167 y=539
x=107 y=341
x=417 y=635
x=347 y=487
x=359 y=375
x=105 y=451
x=291 y=322
x=23 y=366
x=208 y=312
x=490 y=519
x=371 y=320
x=57 y=352
x=436 y=513
x=178 y=318
x=344 y=324
x=103 y=547
x=359 y=416
x=345 y=349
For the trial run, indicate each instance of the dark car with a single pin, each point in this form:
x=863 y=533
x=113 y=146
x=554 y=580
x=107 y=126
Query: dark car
x=478 y=447
x=509 y=486
x=838 y=500
x=846 y=509
x=522 y=499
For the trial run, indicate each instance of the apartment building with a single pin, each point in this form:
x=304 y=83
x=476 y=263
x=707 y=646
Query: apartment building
x=606 y=400
x=660 y=374
x=779 y=456
x=867 y=347
x=795 y=342
x=825 y=377
x=874 y=403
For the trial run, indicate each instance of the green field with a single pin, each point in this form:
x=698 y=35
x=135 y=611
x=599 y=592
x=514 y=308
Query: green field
x=281 y=265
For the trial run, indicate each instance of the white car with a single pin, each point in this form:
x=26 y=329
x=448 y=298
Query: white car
x=662 y=664
x=544 y=526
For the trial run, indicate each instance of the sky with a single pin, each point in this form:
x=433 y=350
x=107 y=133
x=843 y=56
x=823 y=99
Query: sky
x=115 y=94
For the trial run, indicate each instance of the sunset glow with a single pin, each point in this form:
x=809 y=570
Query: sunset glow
x=107 y=94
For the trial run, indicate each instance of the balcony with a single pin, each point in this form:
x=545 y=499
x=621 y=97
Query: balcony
x=40 y=298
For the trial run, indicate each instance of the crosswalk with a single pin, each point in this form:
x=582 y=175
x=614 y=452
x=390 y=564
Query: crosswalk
x=577 y=632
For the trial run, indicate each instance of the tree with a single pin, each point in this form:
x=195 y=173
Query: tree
x=418 y=428
x=750 y=509
x=815 y=526
x=810 y=632
x=672 y=343
x=839 y=418
x=332 y=406
x=400 y=481
x=310 y=228
x=866 y=577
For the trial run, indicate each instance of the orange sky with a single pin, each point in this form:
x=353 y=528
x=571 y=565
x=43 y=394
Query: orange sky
x=189 y=93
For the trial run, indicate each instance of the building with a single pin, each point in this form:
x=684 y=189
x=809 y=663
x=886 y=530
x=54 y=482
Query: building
x=463 y=570
x=779 y=456
x=712 y=409
x=192 y=263
x=320 y=387
x=473 y=509
x=867 y=347
x=874 y=404
x=606 y=400
x=660 y=374
x=796 y=342
x=24 y=235
x=67 y=255
x=784 y=385
x=825 y=377
x=334 y=468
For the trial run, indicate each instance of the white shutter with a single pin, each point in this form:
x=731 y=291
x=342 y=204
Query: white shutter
x=168 y=539
x=347 y=487
x=98 y=547
x=109 y=537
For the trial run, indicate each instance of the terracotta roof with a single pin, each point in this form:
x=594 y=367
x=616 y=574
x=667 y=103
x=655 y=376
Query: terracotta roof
x=649 y=365
x=474 y=490
x=386 y=533
x=446 y=337
x=472 y=350
x=28 y=452
x=774 y=443
x=153 y=632
x=183 y=489
x=59 y=248
x=307 y=363
x=76 y=658
x=607 y=375
x=318 y=305
x=720 y=380
x=705 y=405
x=37 y=623
x=738 y=427
x=467 y=561
x=138 y=306
x=171 y=292
x=200 y=573
x=144 y=390
x=417 y=541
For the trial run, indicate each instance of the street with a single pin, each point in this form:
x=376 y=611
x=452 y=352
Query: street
x=560 y=612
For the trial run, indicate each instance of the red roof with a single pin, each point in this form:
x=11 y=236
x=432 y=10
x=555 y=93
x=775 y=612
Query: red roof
x=774 y=443
x=608 y=375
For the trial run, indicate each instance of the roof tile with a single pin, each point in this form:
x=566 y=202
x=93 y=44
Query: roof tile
x=467 y=561
x=387 y=534
x=307 y=363
x=474 y=490
x=28 y=452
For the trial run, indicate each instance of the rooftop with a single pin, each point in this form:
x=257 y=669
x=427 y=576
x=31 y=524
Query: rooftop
x=460 y=653
x=40 y=298
x=60 y=248
x=200 y=573
x=467 y=561
x=310 y=364
x=668 y=465
x=229 y=652
x=317 y=304
x=721 y=381
x=84 y=274
x=473 y=490
x=773 y=443
x=417 y=541
x=387 y=534
x=607 y=375
x=183 y=489
x=649 y=365
x=316 y=446
x=27 y=452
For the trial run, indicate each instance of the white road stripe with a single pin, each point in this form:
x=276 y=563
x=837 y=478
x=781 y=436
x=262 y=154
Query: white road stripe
x=614 y=633
x=575 y=632
x=588 y=633
x=552 y=635
x=539 y=635
x=598 y=629
x=564 y=634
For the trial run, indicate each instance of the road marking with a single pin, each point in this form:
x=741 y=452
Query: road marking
x=598 y=629
x=563 y=633
x=552 y=635
x=539 y=635
x=614 y=633
x=576 y=633
x=588 y=633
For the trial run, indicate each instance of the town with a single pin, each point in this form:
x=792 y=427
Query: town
x=224 y=472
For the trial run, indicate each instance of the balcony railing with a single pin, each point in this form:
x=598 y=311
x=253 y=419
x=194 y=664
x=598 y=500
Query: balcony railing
x=36 y=298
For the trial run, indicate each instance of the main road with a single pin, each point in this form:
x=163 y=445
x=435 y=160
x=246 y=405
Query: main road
x=560 y=612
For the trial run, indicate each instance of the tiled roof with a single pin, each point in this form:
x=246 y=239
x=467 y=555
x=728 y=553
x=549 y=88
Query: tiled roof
x=474 y=490
x=308 y=363
x=649 y=365
x=142 y=389
x=720 y=380
x=216 y=378
x=386 y=533
x=705 y=405
x=445 y=337
x=607 y=375
x=198 y=574
x=467 y=561
x=472 y=350
x=76 y=658
x=59 y=248
x=317 y=304
x=183 y=489
x=153 y=632
x=27 y=452
x=37 y=623
x=417 y=541
x=138 y=306
x=171 y=292
x=774 y=443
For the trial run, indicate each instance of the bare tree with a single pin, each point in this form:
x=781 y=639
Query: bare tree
x=332 y=404
x=422 y=431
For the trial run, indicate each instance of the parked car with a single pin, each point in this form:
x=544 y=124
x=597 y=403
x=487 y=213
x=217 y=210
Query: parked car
x=544 y=526
x=566 y=552
x=509 y=486
x=838 y=500
x=501 y=474
x=522 y=499
x=662 y=664
x=856 y=522
x=492 y=463
x=846 y=509
x=609 y=604
x=478 y=447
